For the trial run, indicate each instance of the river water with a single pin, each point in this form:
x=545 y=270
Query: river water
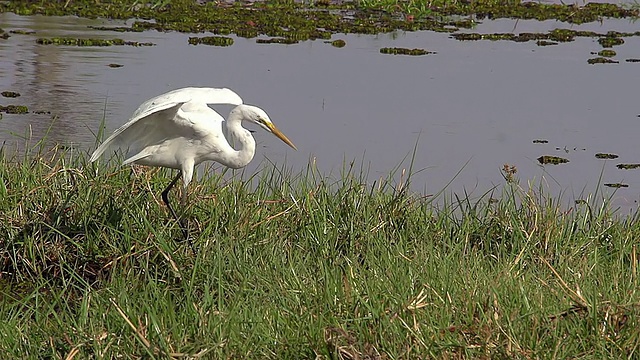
x=470 y=108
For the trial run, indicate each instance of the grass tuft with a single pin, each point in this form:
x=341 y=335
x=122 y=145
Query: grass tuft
x=301 y=265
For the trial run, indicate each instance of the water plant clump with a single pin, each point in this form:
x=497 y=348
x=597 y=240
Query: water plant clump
x=304 y=263
x=89 y=42
x=22 y=32
x=116 y=28
x=405 y=51
x=211 y=40
x=285 y=41
x=610 y=41
x=601 y=60
x=467 y=36
x=553 y=160
x=543 y=39
x=616 y=185
x=14 y=109
x=607 y=53
x=606 y=156
x=628 y=166
x=317 y=20
x=339 y=43
x=10 y=94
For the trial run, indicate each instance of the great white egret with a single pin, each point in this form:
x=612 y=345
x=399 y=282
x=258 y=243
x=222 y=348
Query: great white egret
x=178 y=130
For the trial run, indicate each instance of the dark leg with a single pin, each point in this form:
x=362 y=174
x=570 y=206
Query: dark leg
x=165 y=198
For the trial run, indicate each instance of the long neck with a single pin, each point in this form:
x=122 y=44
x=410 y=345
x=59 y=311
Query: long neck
x=242 y=146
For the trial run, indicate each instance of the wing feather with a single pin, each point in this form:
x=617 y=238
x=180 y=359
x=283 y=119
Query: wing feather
x=199 y=95
x=155 y=118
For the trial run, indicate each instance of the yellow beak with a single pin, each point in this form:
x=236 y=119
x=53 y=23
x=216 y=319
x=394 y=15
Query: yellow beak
x=280 y=135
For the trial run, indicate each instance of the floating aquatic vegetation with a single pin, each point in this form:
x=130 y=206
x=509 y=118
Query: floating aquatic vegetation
x=606 y=53
x=467 y=36
x=616 y=185
x=277 y=41
x=565 y=35
x=211 y=40
x=553 y=37
x=610 y=41
x=628 y=166
x=88 y=42
x=10 y=94
x=314 y=20
x=540 y=141
x=601 y=60
x=550 y=159
x=116 y=28
x=338 y=43
x=22 y=32
x=14 y=109
x=112 y=65
x=405 y=51
x=247 y=33
x=499 y=36
x=633 y=60
x=606 y=156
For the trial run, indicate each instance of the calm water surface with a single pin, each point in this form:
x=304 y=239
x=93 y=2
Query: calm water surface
x=470 y=108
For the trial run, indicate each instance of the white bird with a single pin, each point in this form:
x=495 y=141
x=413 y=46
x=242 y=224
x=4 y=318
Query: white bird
x=178 y=130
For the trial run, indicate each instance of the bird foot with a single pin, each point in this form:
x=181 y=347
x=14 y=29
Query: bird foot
x=185 y=234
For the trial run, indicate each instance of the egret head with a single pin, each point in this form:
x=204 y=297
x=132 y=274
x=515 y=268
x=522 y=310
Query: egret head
x=258 y=116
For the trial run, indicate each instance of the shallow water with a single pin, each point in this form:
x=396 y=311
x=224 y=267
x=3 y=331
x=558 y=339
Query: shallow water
x=470 y=108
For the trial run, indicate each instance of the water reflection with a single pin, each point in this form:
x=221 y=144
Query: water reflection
x=472 y=106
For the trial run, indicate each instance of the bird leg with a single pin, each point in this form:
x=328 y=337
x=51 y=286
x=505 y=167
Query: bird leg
x=165 y=198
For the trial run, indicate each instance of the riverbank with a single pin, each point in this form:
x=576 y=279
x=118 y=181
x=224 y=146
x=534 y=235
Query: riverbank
x=299 y=265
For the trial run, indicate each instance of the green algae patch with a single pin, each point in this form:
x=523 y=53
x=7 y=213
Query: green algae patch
x=211 y=40
x=606 y=53
x=22 y=32
x=628 y=166
x=338 y=43
x=405 y=51
x=116 y=28
x=609 y=41
x=546 y=43
x=616 y=185
x=10 y=94
x=601 y=60
x=574 y=14
x=552 y=37
x=553 y=160
x=606 y=156
x=314 y=20
x=277 y=40
x=14 y=109
x=467 y=36
x=89 y=42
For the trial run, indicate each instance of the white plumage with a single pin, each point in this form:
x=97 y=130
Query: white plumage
x=179 y=130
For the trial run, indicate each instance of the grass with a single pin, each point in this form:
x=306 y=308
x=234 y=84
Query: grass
x=301 y=265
